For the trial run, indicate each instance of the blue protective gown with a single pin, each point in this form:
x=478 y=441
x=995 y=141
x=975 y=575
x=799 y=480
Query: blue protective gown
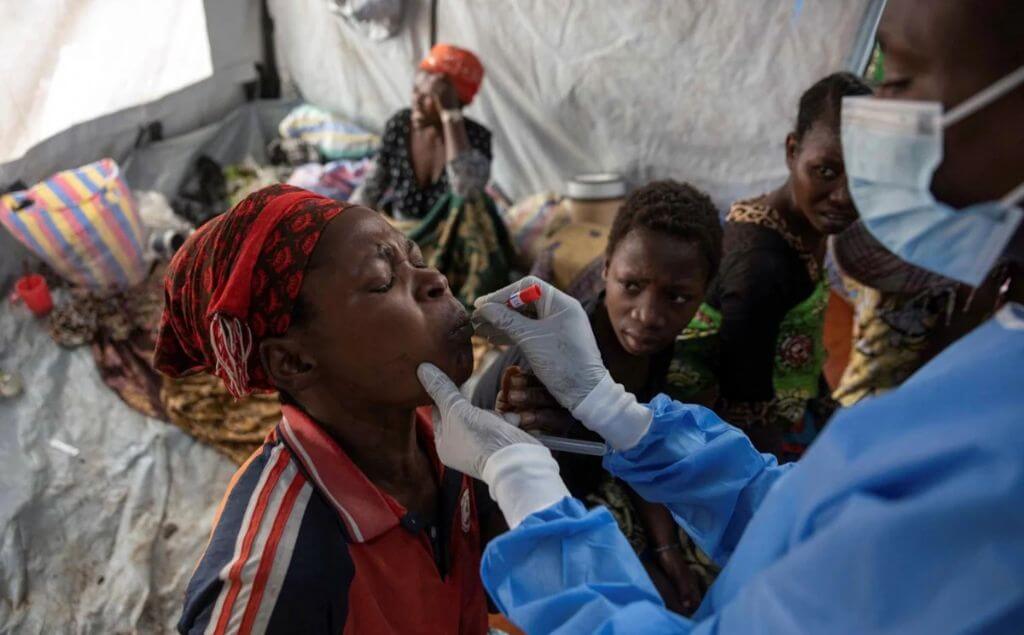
x=906 y=516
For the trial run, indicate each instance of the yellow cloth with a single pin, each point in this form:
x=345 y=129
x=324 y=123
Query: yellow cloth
x=201 y=406
x=893 y=336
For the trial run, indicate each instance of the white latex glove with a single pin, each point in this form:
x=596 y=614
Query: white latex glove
x=559 y=344
x=563 y=354
x=466 y=436
x=520 y=472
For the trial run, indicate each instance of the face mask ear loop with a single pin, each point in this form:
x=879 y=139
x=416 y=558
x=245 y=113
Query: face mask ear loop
x=984 y=98
x=1015 y=196
x=951 y=298
x=970 y=299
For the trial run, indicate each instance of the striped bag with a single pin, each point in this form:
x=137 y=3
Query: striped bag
x=84 y=223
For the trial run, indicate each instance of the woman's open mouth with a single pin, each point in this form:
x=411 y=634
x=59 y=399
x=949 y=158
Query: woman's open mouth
x=459 y=347
x=463 y=328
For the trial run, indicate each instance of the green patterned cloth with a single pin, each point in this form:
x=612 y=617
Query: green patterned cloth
x=467 y=241
x=799 y=406
x=799 y=359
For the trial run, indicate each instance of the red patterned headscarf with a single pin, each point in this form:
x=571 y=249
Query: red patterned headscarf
x=235 y=282
x=460 y=66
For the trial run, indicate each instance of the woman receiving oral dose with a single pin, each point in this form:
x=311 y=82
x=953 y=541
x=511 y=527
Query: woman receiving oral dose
x=345 y=520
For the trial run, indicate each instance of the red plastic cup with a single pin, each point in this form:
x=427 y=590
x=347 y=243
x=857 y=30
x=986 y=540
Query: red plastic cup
x=35 y=293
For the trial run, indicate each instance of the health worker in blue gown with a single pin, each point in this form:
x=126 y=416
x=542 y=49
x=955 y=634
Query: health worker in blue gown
x=907 y=514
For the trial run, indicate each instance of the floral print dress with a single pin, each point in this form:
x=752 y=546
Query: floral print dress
x=757 y=340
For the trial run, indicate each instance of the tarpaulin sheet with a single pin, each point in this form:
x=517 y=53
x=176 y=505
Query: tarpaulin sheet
x=227 y=32
x=695 y=90
x=103 y=542
x=106 y=541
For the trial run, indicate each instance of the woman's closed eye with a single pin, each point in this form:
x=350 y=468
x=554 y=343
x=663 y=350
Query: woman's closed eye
x=415 y=255
x=384 y=288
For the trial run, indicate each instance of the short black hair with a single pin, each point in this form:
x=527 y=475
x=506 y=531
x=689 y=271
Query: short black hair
x=677 y=209
x=823 y=101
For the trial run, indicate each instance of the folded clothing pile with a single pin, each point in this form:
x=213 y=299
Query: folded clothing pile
x=337 y=179
x=334 y=138
x=528 y=221
x=120 y=329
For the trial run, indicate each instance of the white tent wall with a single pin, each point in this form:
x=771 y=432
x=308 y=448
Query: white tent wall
x=334 y=66
x=695 y=90
x=233 y=31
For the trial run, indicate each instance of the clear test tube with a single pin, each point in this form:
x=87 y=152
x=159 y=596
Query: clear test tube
x=574 y=446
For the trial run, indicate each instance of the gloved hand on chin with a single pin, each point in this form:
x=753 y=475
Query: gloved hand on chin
x=520 y=472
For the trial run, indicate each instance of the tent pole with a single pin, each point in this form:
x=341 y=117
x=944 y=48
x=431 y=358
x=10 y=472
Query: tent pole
x=864 y=43
x=433 y=23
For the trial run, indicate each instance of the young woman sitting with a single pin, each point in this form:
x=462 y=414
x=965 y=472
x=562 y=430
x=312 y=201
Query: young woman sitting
x=344 y=521
x=663 y=251
x=758 y=340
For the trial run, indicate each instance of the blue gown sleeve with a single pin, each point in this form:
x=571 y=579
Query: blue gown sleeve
x=703 y=469
x=567 y=570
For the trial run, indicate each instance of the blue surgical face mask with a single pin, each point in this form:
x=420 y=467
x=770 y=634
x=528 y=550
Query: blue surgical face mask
x=891 y=149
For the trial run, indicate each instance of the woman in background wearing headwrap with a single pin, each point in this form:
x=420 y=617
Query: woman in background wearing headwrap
x=431 y=149
x=344 y=520
x=431 y=171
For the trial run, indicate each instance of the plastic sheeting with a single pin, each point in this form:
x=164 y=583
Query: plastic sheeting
x=103 y=542
x=700 y=91
x=66 y=54
x=233 y=32
x=106 y=541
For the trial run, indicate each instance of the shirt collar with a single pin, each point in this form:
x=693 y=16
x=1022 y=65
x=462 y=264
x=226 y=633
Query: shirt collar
x=366 y=511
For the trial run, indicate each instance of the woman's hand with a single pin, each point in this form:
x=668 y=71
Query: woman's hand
x=443 y=93
x=685 y=595
x=678 y=584
x=539 y=412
